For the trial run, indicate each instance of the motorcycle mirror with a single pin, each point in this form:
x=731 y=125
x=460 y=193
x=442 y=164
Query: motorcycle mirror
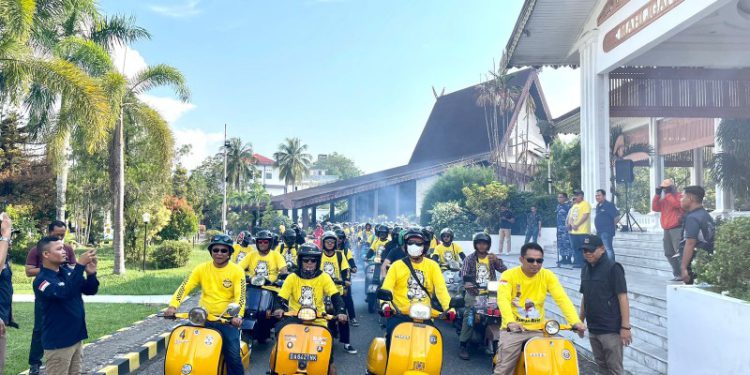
x=457 y=302
x=233 y=309
x=384 y=295
x=492 y=286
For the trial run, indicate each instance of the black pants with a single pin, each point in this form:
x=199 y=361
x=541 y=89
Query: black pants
x=349 y=302
x=342 y=328
x=36 y=352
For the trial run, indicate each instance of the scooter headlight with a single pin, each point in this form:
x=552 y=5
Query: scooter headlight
x=306 y=314
x=420 y=311
x=258 y=280
x=197 y=316
x=552 y=327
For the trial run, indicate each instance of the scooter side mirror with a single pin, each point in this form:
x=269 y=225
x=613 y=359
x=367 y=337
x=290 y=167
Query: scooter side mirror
x=492 y=286
x=457 y=302
x=233 y=309
x=384 y=295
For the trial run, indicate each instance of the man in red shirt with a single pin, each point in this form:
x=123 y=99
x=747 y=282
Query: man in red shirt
x=33 y=266
x=667 y=201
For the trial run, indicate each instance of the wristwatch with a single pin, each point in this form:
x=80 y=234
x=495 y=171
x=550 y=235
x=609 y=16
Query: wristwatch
x=5 y=239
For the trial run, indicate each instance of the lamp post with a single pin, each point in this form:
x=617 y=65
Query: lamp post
x=146 y=218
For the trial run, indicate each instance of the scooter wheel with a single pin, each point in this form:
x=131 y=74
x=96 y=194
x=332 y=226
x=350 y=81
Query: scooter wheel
x=372 y=307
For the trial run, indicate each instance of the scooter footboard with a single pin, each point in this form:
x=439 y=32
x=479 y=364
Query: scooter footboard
x=195 y=350
x=550 y=355
x=415 y=347
x=299 y=345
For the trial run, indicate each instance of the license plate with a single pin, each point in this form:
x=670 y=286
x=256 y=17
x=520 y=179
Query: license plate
x=303 y=357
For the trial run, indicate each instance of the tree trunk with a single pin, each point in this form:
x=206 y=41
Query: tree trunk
x=117 y=174
x=61 y=183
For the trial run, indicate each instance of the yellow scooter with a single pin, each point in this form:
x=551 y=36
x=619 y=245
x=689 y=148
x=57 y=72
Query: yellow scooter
x=303 y=348
x=194 y=349
x=420 y=346
x=550 y=354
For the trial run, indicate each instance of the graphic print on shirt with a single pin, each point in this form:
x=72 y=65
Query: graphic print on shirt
x=528 y=310
x=380 y=250
x=483 y=274
x=415 y=292
x=288 y=256
x=448 y=255
x=261 y=269
x=227 y=283
x=330 y=269
x=307 y=298
x=240 y=256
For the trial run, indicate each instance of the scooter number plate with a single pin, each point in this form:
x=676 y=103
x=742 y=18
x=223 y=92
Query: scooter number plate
x=303 y=357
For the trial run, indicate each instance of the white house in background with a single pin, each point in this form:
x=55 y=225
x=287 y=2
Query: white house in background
x=274 y=184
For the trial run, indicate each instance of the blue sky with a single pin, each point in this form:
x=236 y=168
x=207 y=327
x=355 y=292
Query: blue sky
x=349 y=76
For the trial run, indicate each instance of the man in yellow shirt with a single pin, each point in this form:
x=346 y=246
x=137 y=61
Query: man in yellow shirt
x=243 y=247
x=432 y=238
x=448 y=251
x=410 y=287
x=335 y=264
x=288 y=247
x=221 y=283
x=263 y=261
x=521 y=294
x=579 y=226
x=366 y=236
x=378 y=245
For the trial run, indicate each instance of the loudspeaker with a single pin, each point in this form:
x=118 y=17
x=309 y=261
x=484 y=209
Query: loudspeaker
x=624 y=171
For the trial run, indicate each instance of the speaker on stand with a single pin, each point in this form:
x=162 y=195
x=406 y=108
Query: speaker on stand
x=624 y=174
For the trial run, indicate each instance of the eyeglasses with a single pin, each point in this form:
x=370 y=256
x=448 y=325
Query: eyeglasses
x=222 y=250
x=309 y=260
x=264 y=242
x=586 y=250
x=535 y=260
x=330 y=241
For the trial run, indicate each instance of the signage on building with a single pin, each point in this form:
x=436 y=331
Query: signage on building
x=638 y=21
x=610 y=8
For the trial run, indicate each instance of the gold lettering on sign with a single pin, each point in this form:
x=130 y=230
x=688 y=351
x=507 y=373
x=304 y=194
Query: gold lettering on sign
x=610 y=8
x=638 y=21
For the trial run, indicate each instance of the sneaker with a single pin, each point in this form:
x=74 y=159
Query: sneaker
x=464 y=353
x=34 y=369
x=676 y=278
x=350 y=349
x=354 y=322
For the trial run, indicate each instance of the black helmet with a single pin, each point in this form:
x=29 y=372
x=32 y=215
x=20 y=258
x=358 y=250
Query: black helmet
x=221 y=239
x=247 y=237
x=429 y=229
x=481 y=236
x=382 y=228
x=264 y=235
x=415 y=232
x=395 y=232
x=447 y=231
x=328 y=235
x=290 y=236
x=275 y=242
x=340 y=234
x=308 y=250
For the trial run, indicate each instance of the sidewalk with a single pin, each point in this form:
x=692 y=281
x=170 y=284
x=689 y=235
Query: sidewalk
x=149 y=300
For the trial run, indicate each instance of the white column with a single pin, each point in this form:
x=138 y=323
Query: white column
x=656 y=175
x=696 y=172
x=724 y=198
x=595 y=169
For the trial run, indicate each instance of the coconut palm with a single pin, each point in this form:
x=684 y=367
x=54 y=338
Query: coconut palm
x=498 y=98
x=293 y=161
x=240 y=164
x=732 y=164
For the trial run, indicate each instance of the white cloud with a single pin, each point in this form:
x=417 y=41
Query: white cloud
x=170 y=109
x=182 y=10
x=132 y=60
x=203 y=145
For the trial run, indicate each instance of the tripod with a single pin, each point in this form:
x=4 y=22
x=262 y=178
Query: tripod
x=629 y=219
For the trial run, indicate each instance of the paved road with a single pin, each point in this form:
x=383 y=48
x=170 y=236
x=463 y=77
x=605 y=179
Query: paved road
x=480 y=362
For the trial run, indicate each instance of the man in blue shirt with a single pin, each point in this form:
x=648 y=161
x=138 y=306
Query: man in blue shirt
x=63 y=317
x=606 y=221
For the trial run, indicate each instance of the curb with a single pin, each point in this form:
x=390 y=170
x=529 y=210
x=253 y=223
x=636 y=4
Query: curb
x=132 y=361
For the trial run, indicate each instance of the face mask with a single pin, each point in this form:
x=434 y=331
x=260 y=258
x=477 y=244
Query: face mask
x=414 y=250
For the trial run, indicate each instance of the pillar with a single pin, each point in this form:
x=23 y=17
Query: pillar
x=595 y=125
x=285 y=213
x=656 y=173
x=305 y=217
x=696 y=172
x=353 y=208
x=331 y=211
x=375 y=204
x=295 y=215
x=724 y=196
x=314 y=215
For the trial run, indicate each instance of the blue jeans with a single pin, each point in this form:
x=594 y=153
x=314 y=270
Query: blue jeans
x=230 y=336
x=607 y=239
x=533 y=235
x=576 y=241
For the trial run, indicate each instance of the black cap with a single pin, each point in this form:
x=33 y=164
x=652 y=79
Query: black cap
x=577 y=192
x=592 y=242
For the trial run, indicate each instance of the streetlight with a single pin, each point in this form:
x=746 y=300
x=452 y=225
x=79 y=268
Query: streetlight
x=146 y=218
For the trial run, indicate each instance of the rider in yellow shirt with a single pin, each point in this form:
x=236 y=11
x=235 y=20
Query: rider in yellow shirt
x=288 y=248
x=334 y=263
x=448 y=251
x=243 y=247
x=378 y=245
x=407 y=290
x=263 y=261
x=521 y=294
x=221 y=283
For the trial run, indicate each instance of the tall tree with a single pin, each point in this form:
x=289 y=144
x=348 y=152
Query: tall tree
x=293 y=162
x=732 y=164
x=240 y=164
x=339 y=165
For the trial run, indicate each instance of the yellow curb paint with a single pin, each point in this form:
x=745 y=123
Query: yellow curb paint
x=104 y=337
x=137 y=323
x=134 y=359
x=124 y=329
x=151 y=345
x=24 y=373
x=165 y=334
x=108 y=370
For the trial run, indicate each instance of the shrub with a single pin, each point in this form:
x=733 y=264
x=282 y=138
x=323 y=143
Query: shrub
x=210 y=233
x=27 y=234
x=728 y=268
x=182 y=221
x=448 y=188
x=452 y=215
x=172 y=254
x=520 y=204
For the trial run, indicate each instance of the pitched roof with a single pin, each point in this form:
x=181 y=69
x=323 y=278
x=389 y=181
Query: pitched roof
x=456 y=127
x=262 y=160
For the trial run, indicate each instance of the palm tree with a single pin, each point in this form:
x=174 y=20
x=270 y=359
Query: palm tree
x=240 y=164
x=732 y=164
x=293 y=162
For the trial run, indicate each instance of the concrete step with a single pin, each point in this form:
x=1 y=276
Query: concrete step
x=583 y=346
x=653 y=266
x=641 y=251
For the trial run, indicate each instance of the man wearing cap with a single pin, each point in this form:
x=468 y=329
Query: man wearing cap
x=667 y=201
x=604 y=306
x=579 y=225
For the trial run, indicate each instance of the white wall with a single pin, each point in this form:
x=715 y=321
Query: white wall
x=707 y=332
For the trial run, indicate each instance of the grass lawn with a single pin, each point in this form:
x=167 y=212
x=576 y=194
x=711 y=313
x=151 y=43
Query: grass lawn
x=101 y=319
x=134 y=282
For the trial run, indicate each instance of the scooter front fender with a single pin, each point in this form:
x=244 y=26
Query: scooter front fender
x=193 y=350
x=420 y=350
x=548 y=355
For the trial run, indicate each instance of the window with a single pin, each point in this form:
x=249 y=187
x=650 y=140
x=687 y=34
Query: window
x=269 y=175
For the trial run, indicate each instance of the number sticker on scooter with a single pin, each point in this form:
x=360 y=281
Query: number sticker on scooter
x=303 y=357
x=566 y=354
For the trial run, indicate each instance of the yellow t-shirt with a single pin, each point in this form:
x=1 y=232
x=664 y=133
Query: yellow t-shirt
x=289 y=254
x=406 y=290
x=308 y=293
x=378 y=246
x=219 y=287
x=367 y=236
x=575 y=214
x=521 y=298
x=433 y=243
x=266 y=265
x=330 y=265
x=241 y=252
x=449 y=253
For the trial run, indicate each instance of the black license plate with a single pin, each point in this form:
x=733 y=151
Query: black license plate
x=303 y=357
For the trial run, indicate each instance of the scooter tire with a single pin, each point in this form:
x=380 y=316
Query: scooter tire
x=372 y=306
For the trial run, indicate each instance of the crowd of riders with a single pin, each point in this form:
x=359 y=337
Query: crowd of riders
x=315 y=271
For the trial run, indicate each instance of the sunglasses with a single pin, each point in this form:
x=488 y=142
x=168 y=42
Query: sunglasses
x=535 y=260
x=222 y=250
x=585 y=250
x=265 y=242
x=415 y=243
x=309 y=260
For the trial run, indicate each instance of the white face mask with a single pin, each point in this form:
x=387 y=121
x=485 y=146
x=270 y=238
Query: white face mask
x=414 y=250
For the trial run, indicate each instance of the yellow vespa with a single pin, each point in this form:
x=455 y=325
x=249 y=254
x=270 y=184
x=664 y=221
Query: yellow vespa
x=550 y=354
x=302 y=348
x=192 y=348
